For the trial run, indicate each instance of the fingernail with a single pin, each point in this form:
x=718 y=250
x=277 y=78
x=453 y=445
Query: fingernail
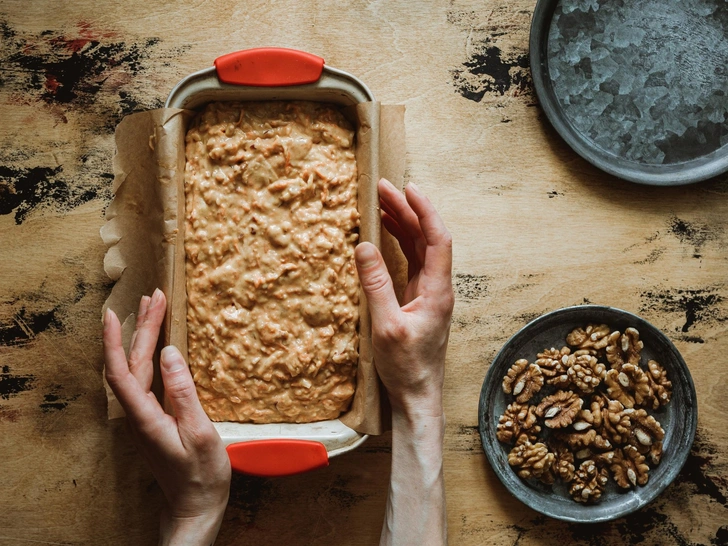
x=366 y=255
x=107 y=316
x=414 y=188
x=172 y=359
x=155 y=296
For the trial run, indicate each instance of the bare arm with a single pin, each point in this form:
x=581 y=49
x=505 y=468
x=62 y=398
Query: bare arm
x=410 y=343
x=184 y=451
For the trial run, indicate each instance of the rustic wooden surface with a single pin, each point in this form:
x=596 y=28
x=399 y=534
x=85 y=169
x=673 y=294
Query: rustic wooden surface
x=535 y=228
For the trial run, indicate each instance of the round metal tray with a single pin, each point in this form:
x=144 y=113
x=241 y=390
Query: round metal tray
x=679 y=44
x=678 y=417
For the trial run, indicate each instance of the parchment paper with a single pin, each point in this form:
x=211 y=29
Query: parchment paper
x=145 y=236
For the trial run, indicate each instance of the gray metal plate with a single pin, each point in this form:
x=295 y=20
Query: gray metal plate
x=678 y=418
x=638 y=88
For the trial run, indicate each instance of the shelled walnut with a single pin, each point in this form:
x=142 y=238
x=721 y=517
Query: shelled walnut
x=616 y=424
x=563 y=465
x=553 y=361
x=594 y=336
x=624 y=348
x=518 y=419
x=523 y=380
x=646 y=430
x=661 y=386
x=530 y=460
x=559 y=409
x=630 y=385
x=588 y=483
x=629 y=468
x=581 y=412
x=585 y=371
x=655 y=453
x=590 y=438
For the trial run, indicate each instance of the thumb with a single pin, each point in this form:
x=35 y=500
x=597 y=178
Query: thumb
x=376 y=283
x=179 y=386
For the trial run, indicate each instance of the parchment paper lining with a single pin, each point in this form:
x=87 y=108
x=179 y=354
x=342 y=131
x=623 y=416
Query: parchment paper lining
x=146 y=239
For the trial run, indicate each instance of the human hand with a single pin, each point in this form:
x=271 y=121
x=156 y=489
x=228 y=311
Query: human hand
x=409 y=344
x=184 y=451
x=410 y=341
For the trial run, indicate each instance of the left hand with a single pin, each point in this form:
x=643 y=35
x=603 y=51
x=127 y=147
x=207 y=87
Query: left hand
x=184 y=451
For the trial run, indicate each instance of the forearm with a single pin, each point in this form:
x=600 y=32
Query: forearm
x=416 y=502
x=199 y=531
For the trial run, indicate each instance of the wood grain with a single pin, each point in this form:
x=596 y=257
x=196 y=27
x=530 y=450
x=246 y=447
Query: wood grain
x=535 y=228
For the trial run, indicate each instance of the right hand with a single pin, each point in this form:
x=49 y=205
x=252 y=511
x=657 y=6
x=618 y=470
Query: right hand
x=410 y=342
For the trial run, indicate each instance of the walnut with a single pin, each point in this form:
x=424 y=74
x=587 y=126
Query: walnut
x=624 y=348
x=559 y=409
x=646 y=430
x=655 y=453
x=629 y=468
x=630 y=385
x=591 y=417
x=661 y=386
x=625 y=384
x=549 y=476
x=586 y=439
x=603 y=459
x=518 y=419
x=561 y=381
x=523 y=380
x=589 y=482
x=563 y=465
x=593 y=337
x=530 y=460
x=585 y=372
x=616 y=424
x=552 y=361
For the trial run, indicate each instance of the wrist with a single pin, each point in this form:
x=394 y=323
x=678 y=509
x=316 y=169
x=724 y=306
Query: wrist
x=422 y=405
x=421 y=436
x=190 y=531
x=420 y=424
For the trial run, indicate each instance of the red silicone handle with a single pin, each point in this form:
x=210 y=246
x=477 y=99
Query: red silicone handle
x=269 y=67
x=277 y=457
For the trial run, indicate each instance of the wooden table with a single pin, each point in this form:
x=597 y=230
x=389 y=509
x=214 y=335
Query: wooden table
x=535 y=228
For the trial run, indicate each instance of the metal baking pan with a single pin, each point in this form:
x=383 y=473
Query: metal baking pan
x=275 y=74
x=639 y=94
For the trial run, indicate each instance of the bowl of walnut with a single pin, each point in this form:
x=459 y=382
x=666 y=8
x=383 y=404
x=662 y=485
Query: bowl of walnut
x=587 y=413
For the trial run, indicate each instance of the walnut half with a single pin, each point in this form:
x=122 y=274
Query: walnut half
x=585 y=371
x=661 y=386
x=530 y=460
x=523 y=380
x=594 y=336
x=559 y=410
x=589 y=481
x=518 y=419
x=629 y=468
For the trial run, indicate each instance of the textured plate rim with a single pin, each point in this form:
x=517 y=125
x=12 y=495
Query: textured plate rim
x=689 y=172
x=588 y=513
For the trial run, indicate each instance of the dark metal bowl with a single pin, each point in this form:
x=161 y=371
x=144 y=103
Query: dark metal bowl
x=696 y=160
x=678 y=418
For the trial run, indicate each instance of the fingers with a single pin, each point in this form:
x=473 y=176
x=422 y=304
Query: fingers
x=141 y=314
x=395 y=204
x=405 y=243
x=139 y=407
x=145 y=337
x=180 y=389
x=377 y=284
x=113 y=350
x=438 y=260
